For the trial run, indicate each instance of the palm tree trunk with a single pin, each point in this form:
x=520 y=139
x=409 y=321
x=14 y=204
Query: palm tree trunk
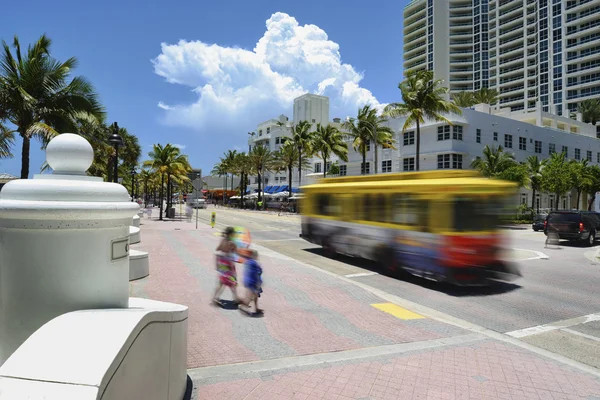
x=258 y=199
x=299 y=167
x=290 y=180
x=168 y=194
x=578 y=197
x=418 y=148
x=324 y=167
x=264 y=202
x=375 y=158
x=557 y=201
x=162 y=186
x=533 y=201
x=25 y=157
x=145 y=194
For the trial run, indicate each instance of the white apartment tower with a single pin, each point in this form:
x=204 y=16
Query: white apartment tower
x=449 y=38
x=312 y=108
x=540 y=51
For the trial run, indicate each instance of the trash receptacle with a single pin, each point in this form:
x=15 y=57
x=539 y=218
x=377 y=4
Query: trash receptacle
x=171 y=213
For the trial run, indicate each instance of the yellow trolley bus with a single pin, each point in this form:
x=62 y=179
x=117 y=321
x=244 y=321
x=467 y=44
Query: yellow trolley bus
x=441 y=225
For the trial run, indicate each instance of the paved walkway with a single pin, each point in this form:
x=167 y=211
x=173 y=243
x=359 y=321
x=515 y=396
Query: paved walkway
x=324 y=337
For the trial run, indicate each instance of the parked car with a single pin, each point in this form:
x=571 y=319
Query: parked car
x=574 y=225
x=538 y=222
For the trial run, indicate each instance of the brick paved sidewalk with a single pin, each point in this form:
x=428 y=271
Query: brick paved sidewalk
x=322 y=337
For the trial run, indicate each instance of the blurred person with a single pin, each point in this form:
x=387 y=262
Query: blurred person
x=551 y=233
x=225 y=257
x=252 y=282
x=188 y=212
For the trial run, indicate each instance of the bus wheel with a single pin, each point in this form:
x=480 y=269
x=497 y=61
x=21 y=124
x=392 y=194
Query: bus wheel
x=328 y=249
x=387 y=262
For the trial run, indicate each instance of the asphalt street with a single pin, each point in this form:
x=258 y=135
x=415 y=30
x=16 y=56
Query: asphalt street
x=554 y=305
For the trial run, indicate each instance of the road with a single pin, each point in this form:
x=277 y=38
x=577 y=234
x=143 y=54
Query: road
x=554 y=305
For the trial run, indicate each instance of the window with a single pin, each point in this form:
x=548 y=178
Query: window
x=522 y=143
x=495 y=136
x=538 y=146
x=317 y=167
x=268 y=130
x=457 y=132
x=277 y=140
x=444 y=132
x=508 y=141
x=409 y=138
x=551 y=148
x=577 y=154
x=282 y=179
x=386 y=166
x=369 y=145
x=343 y=170
x=443 y=161
x=478 y=136
x=365 y=170
x=408 y=164
x=457 y=160
x=598 y=158
x=409 y=211
x=260 y=132
x=565 y=150
x=588 y=155
x=326 y=206
x=276 y=179
x=313 y=121
x=327 y=166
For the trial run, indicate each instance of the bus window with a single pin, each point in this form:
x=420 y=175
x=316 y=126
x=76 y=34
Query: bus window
x=410 y=211
x=359 y=208
x=322 y=204
x=381 y=208
x=472 y=214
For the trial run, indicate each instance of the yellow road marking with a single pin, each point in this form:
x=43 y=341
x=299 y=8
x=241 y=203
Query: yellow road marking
x=397 y=311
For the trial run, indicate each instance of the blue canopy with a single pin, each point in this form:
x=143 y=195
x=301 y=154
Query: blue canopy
x=295 y=190
x=273 y=189
x=283 y=188
x=266 y=190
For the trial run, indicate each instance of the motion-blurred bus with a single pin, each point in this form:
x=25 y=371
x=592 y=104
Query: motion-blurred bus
x=440 y=225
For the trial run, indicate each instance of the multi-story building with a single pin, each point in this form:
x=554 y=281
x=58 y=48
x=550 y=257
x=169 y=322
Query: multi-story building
x=449 y=37
x=539 y=50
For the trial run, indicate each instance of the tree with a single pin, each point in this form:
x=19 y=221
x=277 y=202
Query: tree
x=556 y=177
x=495 y=162
x=7 y=137
x=38 y=99
x=379 y=134
x=485 y=96
x=581 y=178
x=166 y=160
x=242 y=167
x=590 y=111
x=594 y=186
x=327 y=141
x=286 y=159
x=301 y=136
x=463 y=99
x=424 y=98
x=261 y=159
x=534 y=167
x=360 y=132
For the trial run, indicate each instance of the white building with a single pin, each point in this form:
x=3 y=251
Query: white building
x=539 y=51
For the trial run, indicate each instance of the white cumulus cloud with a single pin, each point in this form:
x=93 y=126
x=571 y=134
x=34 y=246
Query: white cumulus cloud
x=237 y=88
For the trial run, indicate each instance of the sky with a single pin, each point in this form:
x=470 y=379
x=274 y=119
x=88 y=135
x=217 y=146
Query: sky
x=201 y=75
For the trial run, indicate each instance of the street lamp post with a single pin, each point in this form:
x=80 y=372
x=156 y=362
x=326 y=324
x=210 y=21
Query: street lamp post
x=133 y=173
x=116 y=141
x=198 y=176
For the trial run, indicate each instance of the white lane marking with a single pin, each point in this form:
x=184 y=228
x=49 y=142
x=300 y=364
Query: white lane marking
x=585 y=335
x=361 y=274
x=277 y=240
x=539 y=255
x=534 y=330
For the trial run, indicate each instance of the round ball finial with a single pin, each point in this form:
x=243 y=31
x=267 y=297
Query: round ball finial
x=69 y=154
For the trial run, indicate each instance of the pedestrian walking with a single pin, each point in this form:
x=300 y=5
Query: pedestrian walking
x=225 y=257
x=188 y=212
x=252 y=283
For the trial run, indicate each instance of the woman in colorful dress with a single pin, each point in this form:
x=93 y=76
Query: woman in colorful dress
x=225 y=258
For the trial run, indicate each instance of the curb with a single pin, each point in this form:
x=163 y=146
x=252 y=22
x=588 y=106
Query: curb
x=514 y=227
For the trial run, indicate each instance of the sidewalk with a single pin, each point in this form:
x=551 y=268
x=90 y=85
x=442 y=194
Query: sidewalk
x=323 y=337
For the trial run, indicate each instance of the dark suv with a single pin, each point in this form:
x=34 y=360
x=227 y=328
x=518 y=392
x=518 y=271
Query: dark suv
x=574 y=225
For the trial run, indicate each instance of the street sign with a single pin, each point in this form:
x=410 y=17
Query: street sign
x=213 y=219
x=197 y=183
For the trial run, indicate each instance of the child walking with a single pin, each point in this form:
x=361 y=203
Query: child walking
x=252 y=282
x=226 y=267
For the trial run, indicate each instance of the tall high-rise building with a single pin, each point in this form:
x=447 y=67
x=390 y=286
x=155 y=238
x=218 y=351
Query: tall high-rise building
x=542 y=53
x=312 y=108
x=449 y=38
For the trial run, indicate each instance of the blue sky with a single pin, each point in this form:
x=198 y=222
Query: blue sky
x=203 y=74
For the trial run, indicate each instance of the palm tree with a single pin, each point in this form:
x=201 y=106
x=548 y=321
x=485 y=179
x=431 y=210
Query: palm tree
x=7 y=137
x=326 y=141
x=261 y=159
x=556 y=176
x=241 y=167
x=424 y=97
x=379 y=134
x=485 y=96
x=580 y=176
x=145 y=177
x=463 y=99
x=590 y=111
x=287 y=158
x=494 y=162
x=301 y=137
x=229 y=160
x=360 y=133
x=534 y=168
x=166 y=160
x=38 y=98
